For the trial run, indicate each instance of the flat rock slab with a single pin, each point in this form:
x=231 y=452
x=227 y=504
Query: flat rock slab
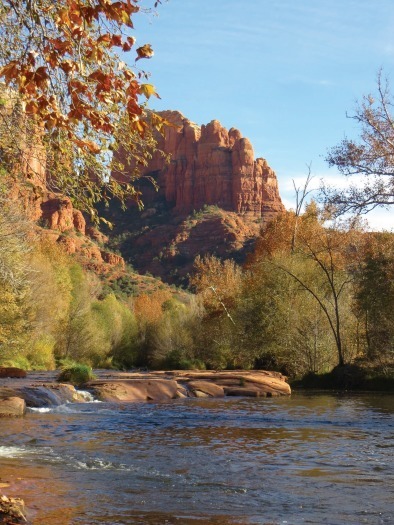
x=164 y=385
x=271 y=383
x=40 y=389
x=208 y=388
x=12 y=407
x=134 y=389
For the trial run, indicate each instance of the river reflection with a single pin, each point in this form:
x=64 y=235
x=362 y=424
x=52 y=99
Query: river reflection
x=318 y=459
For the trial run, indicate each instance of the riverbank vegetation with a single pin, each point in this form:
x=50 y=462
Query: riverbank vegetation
x=314 y=295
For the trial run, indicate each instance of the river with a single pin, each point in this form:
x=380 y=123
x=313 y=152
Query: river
x=308 y=458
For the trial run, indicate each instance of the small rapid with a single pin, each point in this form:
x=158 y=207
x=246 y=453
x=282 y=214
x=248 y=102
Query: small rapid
x=88 y=397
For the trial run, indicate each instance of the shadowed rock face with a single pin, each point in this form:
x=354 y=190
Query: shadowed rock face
x=212 y=166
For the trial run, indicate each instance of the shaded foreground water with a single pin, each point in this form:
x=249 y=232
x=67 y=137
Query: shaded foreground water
x=318 y=459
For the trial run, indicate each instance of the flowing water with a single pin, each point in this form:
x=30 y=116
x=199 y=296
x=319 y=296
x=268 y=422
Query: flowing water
x=317 y=459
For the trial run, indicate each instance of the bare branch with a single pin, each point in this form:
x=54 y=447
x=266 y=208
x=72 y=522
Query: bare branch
x=371 y=158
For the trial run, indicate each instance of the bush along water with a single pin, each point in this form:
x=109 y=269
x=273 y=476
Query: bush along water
x=76 y=373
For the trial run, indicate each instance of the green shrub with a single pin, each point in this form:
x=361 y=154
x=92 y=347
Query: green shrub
x=18 y=361
x=76 y=373
x=176 y=361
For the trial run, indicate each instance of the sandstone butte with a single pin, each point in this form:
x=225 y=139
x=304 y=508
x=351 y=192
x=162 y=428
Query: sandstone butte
x=211 y=166
x=209 y=169
x=208 y=166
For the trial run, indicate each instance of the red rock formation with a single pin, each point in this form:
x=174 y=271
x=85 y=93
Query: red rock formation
x=162 y=386
x=173 y=246
x=58 y=213
x=79 y=222
x=112 y=258
x=210 y=165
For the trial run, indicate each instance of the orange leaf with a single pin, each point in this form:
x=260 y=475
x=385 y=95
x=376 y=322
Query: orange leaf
x=128 y=74
x=67 y=66
x=116 y=40
x=63 y=46
x=63 y=17
x=145 y=51
x=89 y=144
x=10 y=71
x=41 y=77
x=31 y=108
x=129 y=44
x=106 y=39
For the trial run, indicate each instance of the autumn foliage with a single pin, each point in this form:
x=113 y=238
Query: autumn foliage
x=65 y=62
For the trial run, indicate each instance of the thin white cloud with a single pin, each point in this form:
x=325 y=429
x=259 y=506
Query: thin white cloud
x=379 y=219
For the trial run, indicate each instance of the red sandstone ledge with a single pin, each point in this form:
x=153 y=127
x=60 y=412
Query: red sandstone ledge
x=39 y=389
x=174 y=384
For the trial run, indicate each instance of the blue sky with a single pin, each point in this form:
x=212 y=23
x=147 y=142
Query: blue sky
x=283 y=72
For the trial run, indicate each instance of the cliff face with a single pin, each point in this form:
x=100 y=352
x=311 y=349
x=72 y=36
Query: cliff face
x=213 y=198
x=212 y=166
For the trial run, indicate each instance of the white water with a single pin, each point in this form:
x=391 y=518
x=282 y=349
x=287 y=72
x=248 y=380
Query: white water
x=88 y=396
x=42 y=410
x=12 y=452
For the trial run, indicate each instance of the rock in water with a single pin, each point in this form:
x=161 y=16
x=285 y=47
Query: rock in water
x=12 y=511
x=206 y=387
x=139 y=389
x=12 y=407
x=165 y=385
x=12 y=372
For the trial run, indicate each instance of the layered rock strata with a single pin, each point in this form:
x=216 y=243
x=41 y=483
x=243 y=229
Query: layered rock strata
x=162 y=386
x=212 y=166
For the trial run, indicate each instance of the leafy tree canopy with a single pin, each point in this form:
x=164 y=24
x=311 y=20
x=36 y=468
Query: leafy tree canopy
x=63 y=69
